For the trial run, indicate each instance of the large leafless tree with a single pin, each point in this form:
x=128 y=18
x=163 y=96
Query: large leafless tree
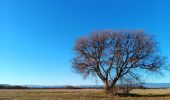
x=114 y=55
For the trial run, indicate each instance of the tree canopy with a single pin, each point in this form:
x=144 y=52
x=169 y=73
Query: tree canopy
x=114 y=55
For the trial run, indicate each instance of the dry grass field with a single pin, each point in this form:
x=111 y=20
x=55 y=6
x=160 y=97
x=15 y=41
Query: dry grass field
x=81 y=94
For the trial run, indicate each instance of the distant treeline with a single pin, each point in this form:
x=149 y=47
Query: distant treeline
x=83 y=87
x=13 y=87
x=62 y=87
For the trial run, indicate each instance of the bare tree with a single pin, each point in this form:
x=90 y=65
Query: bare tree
x=112 y=55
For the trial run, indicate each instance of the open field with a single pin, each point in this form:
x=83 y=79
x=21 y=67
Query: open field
x=80 y=94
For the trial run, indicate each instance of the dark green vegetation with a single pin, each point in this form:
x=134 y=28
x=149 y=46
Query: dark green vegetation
x=12 y=87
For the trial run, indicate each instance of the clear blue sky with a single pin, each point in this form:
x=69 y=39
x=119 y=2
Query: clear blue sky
x=37 y=36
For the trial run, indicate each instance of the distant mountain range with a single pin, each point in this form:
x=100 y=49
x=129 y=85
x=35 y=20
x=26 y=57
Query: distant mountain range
x=146 y=85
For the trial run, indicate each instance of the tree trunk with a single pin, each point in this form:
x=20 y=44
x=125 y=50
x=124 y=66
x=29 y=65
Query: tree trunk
x=114 y=89
x=108 y=89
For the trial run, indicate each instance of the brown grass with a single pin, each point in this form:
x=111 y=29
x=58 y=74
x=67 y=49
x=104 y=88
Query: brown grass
x=80 y=94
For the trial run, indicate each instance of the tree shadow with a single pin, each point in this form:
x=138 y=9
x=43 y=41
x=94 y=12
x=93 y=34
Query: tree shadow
x=138 y=95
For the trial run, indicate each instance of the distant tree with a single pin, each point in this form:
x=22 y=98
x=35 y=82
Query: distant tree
x=71 y=87
x=113 y=55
